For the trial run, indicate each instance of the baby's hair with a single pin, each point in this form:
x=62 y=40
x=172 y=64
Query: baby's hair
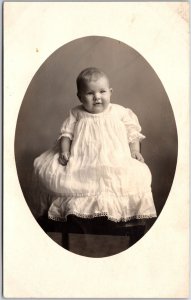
x=89 y=74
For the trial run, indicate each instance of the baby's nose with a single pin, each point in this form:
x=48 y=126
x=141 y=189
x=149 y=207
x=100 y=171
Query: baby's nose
x=97 y=96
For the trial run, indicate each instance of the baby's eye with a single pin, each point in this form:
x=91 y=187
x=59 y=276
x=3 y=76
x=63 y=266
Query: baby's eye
x=89 y=93
x=103 y=91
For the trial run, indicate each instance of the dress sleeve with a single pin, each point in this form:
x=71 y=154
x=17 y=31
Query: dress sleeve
x=133 y=127
x=67 y=128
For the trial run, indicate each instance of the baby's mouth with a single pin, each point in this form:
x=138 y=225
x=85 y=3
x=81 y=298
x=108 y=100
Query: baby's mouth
x=97 y=103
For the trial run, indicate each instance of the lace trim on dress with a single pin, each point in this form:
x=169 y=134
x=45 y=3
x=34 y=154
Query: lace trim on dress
x=102 y=214
x=66 y=134
x=136 y=137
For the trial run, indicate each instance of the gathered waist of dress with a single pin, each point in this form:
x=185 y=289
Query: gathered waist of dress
x=101 y=194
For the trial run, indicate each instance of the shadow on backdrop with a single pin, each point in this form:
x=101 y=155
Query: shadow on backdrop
x=52 y=93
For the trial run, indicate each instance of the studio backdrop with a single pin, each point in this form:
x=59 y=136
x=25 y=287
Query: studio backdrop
x=52 y=93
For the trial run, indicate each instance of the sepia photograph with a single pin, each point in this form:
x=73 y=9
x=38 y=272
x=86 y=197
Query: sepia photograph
x=82 y=159
x=96 y=150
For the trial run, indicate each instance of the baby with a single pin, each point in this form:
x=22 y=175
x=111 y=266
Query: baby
x=96 y=168
x=94 y=93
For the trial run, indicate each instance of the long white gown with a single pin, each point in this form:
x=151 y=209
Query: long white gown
x=101 y=178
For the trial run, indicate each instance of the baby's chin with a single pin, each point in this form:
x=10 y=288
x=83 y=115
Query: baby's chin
x=97 y=108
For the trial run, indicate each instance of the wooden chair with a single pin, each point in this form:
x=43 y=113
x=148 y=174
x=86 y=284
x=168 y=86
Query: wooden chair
x=134 y=229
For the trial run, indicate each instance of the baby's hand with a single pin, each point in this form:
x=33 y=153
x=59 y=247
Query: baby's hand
x=63 y=158
x=137 y=155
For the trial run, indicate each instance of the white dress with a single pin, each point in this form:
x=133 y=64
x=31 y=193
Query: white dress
x=101 y=178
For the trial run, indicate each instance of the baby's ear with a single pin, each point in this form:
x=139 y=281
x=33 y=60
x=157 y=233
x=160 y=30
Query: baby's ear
x=111 y=90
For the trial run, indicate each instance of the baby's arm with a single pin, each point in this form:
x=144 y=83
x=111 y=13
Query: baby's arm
x=65 y=144
x=135 y=151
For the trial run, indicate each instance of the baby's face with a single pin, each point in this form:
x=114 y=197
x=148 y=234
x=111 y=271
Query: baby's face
x=95 y=95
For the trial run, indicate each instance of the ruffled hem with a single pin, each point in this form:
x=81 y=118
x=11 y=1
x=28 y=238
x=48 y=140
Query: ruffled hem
x=115 y=208
x=103 y=214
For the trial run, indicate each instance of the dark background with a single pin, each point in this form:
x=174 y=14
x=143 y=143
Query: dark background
x=52 y=93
